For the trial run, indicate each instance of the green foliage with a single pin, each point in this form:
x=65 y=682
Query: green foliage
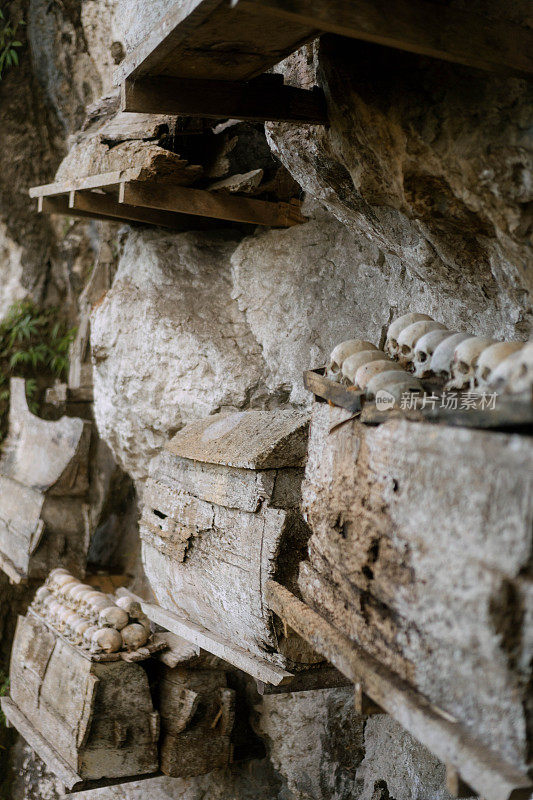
x=8 y=43
x=34 y=345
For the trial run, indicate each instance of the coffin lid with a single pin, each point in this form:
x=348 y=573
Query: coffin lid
x=36 y=452
x=246 y=439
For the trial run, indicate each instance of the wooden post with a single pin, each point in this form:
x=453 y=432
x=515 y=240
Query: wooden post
x=210 y=204
x=265 y=98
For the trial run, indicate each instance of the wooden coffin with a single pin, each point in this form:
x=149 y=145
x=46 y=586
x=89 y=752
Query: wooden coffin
x=421 y=556
x=197 y=716
x=43 y=492
x=91 y=721
x=221 y=516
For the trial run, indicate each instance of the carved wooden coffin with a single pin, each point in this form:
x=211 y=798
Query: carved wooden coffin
x=84 y=703
x=421 y=554
x=221 y=516
x=43 y=492
x=89 y=720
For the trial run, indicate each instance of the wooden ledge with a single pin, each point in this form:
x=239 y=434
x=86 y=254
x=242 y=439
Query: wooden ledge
x=264 y=99
x=116 y=197
x=474 y=764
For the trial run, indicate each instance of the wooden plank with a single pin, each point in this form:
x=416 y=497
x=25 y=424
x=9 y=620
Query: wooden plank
x=482 y=769
x=107 y=210
x=210 y=204
x=44 y=750
x=253 y=665
x=212 y=39
x=262 y=99
x=418 y=26
x=254 y=440
x=322 y=677
x=339 y=395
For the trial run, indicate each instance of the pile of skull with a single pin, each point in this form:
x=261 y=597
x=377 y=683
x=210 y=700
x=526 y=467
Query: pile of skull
x=418 y=347
x=89 y=618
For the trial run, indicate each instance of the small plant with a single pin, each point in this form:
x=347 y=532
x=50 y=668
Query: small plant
x=8 y=43
x=34 y=345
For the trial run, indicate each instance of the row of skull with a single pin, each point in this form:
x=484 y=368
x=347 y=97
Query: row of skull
x=419 y=347
x=89 y=618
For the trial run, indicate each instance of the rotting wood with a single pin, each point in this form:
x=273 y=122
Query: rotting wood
x=220 y=515
x=207 y=39
x=263 y=99
x=44 y=486
x=261 y=669
x=418 y=26
x=492 y=778
x=320 y=677
x=210 y=204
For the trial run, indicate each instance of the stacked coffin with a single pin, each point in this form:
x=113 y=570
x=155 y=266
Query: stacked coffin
x=221 y=517
x=44 y=484
x=102 y=697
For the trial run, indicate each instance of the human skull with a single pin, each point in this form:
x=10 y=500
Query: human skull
x=145 y=622
x=63 y=581
x=113 y=617
x=71 y=622
x=464 y=361
x=397 y=326
x=88 y=635
x=40 y=596
x=353 y=362
x=80 y=629
x=341 y=352
x=131 y=606
x=367 y=371
x=73 y=593
x=54 y=611
x=61 y=618
x=441 y=360
x=409 y=337
x=491 y=357
x=106 y=640
x=514 y=375
x=424 y=349
x=384 y=380
x=134 y=636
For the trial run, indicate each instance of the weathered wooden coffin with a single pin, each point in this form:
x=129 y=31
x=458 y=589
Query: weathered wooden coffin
x=197 y=716
x=89 y=720
x=421 y=555
x=221 y=516
x=43 y=492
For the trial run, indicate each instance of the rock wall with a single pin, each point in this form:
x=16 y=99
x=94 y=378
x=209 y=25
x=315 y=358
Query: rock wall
x=418 y=197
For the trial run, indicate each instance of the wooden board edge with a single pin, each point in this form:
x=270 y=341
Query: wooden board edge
x=483 y=770
x=253 y=665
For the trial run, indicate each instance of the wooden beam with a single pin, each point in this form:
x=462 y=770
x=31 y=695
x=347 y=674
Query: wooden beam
x=105 y=208
x=262 y=99
x=213 y=40
x=490 y=776
x=419 y=26
x=253 y=665
x=210 y=204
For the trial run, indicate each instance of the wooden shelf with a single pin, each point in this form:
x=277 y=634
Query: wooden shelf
x=207 y=57
x=124 y=197
x=469 y=762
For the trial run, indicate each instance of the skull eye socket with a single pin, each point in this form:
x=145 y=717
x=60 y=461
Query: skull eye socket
x=406 y=349
x=485 y=373
x=335 y=367
x=421 y=356
x=394 y=343
x=522 y=371
x=463 y=367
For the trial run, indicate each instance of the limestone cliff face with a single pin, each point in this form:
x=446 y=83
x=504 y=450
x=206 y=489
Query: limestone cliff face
x=419 y=199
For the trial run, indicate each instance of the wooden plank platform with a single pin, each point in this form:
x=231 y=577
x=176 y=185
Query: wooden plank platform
x=205 y=56
x=166 y=203
x=489 y=776
x=418 y=26
x=510 y=414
